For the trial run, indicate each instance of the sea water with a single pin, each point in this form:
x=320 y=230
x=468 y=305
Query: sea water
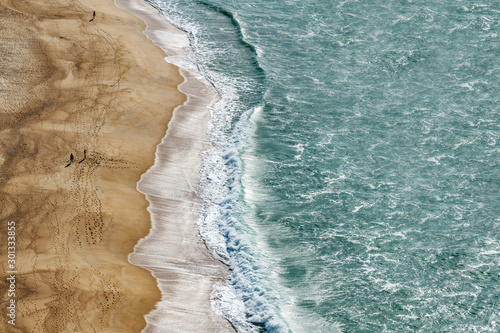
x=353 y=184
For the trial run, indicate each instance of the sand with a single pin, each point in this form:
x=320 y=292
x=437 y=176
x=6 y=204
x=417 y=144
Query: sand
x=69 y=85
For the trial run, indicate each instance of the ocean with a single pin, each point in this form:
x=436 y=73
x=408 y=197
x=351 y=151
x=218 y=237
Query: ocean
x=352 y=184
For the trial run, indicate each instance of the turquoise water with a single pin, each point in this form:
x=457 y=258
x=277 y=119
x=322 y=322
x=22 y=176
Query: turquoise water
x=353 y=185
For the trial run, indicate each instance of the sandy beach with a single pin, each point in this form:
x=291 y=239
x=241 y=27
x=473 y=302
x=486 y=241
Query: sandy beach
x=72 y=82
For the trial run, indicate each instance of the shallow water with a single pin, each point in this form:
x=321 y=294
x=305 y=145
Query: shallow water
x=352 y=186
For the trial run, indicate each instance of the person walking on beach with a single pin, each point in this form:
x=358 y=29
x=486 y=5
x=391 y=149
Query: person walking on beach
x=84 y=156
x=71 y=158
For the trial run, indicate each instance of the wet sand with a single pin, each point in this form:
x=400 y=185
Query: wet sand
x=69 y=85
x=186 y=271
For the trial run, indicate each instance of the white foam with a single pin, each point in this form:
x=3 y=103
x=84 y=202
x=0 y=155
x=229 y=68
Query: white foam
x=220 y=188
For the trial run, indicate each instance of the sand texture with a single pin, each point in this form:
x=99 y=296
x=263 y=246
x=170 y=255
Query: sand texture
x=69 y=85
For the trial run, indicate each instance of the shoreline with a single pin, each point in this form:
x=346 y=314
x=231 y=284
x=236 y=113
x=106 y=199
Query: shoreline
x=187 y=277
x=74 y=82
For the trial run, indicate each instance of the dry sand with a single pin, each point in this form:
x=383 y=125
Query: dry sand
x=69 y=85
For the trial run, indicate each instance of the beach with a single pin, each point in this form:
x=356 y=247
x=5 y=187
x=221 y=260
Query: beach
x=86 y=99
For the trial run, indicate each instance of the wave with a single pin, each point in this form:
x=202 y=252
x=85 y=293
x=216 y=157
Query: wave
x=239 y=32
